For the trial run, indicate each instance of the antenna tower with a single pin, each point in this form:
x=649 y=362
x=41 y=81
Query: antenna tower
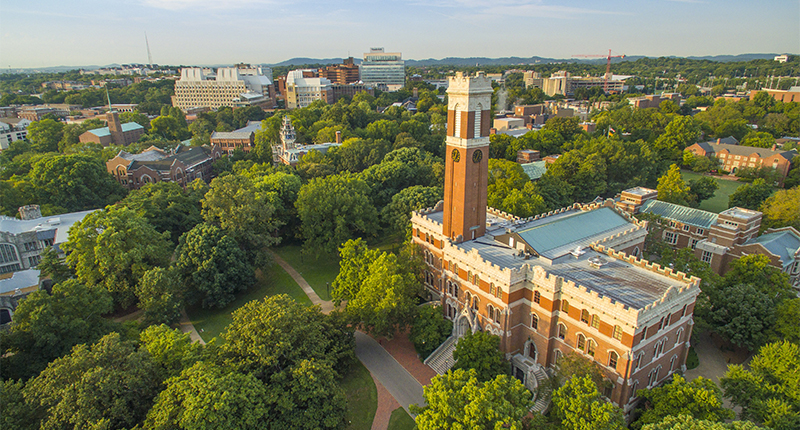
x=149 y=57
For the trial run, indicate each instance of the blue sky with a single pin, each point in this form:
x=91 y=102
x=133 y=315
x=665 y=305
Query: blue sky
x=41 y=33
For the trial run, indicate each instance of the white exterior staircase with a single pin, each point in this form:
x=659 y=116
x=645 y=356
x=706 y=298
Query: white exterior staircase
x=441 y=359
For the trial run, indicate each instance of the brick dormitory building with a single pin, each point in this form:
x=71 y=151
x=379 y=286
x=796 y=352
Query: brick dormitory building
x=182 y=165
x=569 y=280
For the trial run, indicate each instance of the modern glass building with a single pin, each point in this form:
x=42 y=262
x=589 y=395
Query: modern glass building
x=383 y=68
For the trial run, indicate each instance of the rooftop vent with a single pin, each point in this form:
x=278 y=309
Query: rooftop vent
x=577 y=252
x=597 y=262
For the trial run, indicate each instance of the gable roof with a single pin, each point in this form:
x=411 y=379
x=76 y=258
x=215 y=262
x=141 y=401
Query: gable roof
x=785 y=244
x=745 y=150
x=682 y=214
x=104 y=131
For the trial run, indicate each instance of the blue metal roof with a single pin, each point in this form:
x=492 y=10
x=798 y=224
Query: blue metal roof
x=784 y=244
x=682 y=214
x=103 y=131
x=534 y=170
x=572 y=229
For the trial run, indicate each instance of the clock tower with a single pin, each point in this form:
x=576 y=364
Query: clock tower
x=467 y=156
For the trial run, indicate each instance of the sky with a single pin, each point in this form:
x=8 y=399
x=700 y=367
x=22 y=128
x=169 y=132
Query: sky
x=45 y=33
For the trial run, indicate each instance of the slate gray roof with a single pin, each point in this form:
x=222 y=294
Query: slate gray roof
x=60 y=223
x=682 y=214
x=785 y=244
x=21 y=279
x=745 y=151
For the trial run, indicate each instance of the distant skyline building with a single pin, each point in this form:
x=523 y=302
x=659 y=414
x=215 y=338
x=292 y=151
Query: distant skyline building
x=344 y=74
x=381 y=68
x=229 y=86
x=115 y=133
x=302 y=90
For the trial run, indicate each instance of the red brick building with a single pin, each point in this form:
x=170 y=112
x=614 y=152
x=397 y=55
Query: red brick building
x=567 y=281
x=115 y=134
x=735 y=157
x=182 y=166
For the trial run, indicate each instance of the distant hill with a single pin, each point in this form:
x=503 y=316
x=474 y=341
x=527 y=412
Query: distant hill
x=303 y=60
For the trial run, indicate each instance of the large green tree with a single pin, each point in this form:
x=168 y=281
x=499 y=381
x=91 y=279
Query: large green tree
x=750 y=196
x=160 y=296
x=769 y=391
x=578 y=406
x=46 y=326
x=429 y=330
x=481 y=351
x=113 y=248
x=212 y=266
x=334 y=209
x=168 y=207
x=458 y=400
x=780 y=209
x=45 y=135
x=75 y=182
x=109 y=384
x=700 y=398
x=397 y=214
x=687 y=422
x=672 y=188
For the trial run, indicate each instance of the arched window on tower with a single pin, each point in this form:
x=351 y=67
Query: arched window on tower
x=613 y=357
x=562 y=331
x=535 y=321
x=564 y=306
x=585 y=316
x=581 y=342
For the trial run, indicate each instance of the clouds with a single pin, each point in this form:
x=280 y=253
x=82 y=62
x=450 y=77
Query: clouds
x=206 y=4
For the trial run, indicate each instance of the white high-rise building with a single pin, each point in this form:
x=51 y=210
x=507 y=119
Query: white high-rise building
x=383 y=69
x=302 y=91
x=229 y=86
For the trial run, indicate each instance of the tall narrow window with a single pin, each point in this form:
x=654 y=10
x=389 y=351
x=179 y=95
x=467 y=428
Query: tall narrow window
x=534 y=321
x=458 y=122
x=585 y=316
x=581 y=342
x=477 y=129
x=595 y=321
x=564 y=306
x=590 y=347
x=562 y=331
x=612 y=359
x=536 y=297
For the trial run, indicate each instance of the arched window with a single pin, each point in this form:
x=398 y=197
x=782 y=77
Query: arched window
x=475 y=301
x=634 y=387
x=469 y=276
x=613 y=357
x=679 y=336
x=585 y=316
x=617 y=334
x=639 y=360
x=562 y=331
x=534 y=321
x=565 y=306
x=557 y=354
x=467 y=298
x=590 y=347
x=672 y=363
x=490 y=312
x=636 y=251
x=581 y=342
x=497 y=315
x=476 y=279
x=595 y=321
x=492 y=290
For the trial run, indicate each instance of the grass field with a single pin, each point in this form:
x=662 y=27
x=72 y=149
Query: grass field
x=400 y=420
x=719 y=202
x=211 y=322
x=362 y=397
x=317 y=271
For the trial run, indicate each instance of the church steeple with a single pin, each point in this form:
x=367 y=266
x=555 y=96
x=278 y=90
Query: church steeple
x=467 y=157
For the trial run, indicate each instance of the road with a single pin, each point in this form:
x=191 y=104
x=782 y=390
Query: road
x=400 y=384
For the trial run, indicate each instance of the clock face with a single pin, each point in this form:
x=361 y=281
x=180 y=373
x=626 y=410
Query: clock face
x=456 y=155
x=477 y=156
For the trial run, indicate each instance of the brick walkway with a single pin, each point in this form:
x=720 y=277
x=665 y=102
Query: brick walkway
x=386 y=405
x=403 y=351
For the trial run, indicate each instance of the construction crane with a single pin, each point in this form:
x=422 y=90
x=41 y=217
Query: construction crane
x=608 y=64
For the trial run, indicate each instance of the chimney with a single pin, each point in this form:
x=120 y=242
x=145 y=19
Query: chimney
x=29 y=212
x=719 y=141
x=338 y=136
x=492 y=130
x=529 y=125
x=774 y=146
x=415 y=92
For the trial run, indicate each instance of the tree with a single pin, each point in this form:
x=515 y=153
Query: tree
x=169 y=128
x=206 y=396
x=17 y=414
x=212 y=266
x=170 y=349
x=397 y=214
x=744 y=315
x=429 y=330
x=46 y=326
x=247 y=215
x=672 y=188
x=168 y=207
x=385 y=299
x=573 y=365
x=113 y=248
x=160 y=296
x=678 y=134
x=750 y=196
x=45 y=135
x=334 y=209
x=578 y=406
x=459 y=400
x=769 y=392
x=567 y=127
x=76 y=182
x=299 y=352
x=136 y=117
x=109 y=384
x=52 y=267
x=700 y=399
x=687 y=422
x=780 y=209
x=787 y=315
x=756 y=269
x=481 y=351
x=702 y=189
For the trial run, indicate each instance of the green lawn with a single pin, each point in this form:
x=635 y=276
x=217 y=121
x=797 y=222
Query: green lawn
x=362 y=397
x=316 y=271
x=400 y=420
x=211 y=322
x=719 y=202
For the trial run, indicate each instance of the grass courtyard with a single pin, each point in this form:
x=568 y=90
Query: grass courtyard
x=719 y=202
x=316 y=271
x=211 y=322
x=401 y=420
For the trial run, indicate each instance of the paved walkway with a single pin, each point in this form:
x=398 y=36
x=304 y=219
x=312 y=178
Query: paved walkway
x=401 y=384
x=188 y=327
x=714 y=361
x=327 y=306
